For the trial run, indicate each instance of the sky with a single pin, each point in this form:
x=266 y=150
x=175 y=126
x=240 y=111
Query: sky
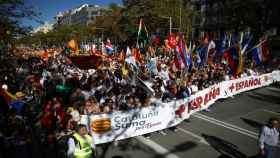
x=49 y=8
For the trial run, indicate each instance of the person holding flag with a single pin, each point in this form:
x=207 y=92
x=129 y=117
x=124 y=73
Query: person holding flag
x=142 y=35
x=109 y=47
x=234 y=59
x=260 y=53
x=203 y=51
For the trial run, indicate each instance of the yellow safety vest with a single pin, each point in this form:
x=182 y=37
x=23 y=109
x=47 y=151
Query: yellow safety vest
x=85 y=150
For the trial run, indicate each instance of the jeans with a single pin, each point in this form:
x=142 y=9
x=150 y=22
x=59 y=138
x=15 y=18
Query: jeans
x=269 y=151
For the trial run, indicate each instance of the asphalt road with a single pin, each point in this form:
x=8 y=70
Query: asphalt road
x=230 y=129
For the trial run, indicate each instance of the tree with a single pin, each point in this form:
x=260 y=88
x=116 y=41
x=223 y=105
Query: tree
x=11 y=12
x=155 y=13
x=116 y=24
x=120 y=23
x=237 y=15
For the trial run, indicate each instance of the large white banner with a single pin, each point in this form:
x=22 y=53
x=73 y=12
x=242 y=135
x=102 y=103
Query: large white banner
x=276 y=75
x=120 y=125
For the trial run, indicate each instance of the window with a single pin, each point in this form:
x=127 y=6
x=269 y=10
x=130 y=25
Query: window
x=94 y=13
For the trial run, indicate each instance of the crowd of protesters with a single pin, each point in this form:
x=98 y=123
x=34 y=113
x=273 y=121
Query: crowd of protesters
x=43 y=97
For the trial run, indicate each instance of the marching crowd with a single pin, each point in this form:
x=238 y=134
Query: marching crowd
x=42 y=99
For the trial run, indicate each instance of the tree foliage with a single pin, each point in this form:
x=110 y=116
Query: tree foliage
x=120 y=23
x=259 y=15
x=11 y=12
x=156 y=14
x=115 y=24
x=59 y=36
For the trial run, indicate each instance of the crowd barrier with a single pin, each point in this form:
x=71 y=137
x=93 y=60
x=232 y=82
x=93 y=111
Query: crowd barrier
x=121 y=125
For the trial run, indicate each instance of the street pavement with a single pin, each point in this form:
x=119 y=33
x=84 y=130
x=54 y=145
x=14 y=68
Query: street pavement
x=230 y=129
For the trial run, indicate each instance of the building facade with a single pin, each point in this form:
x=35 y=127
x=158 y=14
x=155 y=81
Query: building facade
x=233 y=16
x=82 y=15
x=209 y=17
x=46 y=27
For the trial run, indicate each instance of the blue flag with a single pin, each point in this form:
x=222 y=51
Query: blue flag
x=202 y=52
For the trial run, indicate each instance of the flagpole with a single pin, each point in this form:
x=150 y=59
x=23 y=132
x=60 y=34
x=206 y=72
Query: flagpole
x=255 y=46
x=170 y=25
x=137 y=45
x=139 y=29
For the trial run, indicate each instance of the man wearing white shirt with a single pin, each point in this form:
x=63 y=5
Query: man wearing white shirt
x=243 y=75
x=269 y=138
x=252 y=73
x=163 y=73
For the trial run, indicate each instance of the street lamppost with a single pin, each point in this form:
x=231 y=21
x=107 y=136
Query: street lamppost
x=170 y=23
x=100 y=28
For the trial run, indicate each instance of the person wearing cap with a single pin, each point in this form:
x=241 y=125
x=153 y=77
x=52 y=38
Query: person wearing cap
x=80 y=144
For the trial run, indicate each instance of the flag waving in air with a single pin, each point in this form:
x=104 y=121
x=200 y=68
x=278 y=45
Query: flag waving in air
x=260 y=53
x=210 y=52
x=142 y=35
x=223 y=43
x=72 y=44
x=130 y=58
x=184 y=52
x=234 y=59
x=179 y=60
x=109 y=47
x=202 y=53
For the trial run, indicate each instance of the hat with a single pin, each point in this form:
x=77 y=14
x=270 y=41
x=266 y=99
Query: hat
x=164 y=66
x=5 y=87
x=20 y=94
x=70 y=109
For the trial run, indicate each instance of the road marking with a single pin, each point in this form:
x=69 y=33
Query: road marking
x=273 y=88
x=255 y=111
x=201 y=139
x=227 y=124
x=272 y=112
x=228 y=127
x=156 y=147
